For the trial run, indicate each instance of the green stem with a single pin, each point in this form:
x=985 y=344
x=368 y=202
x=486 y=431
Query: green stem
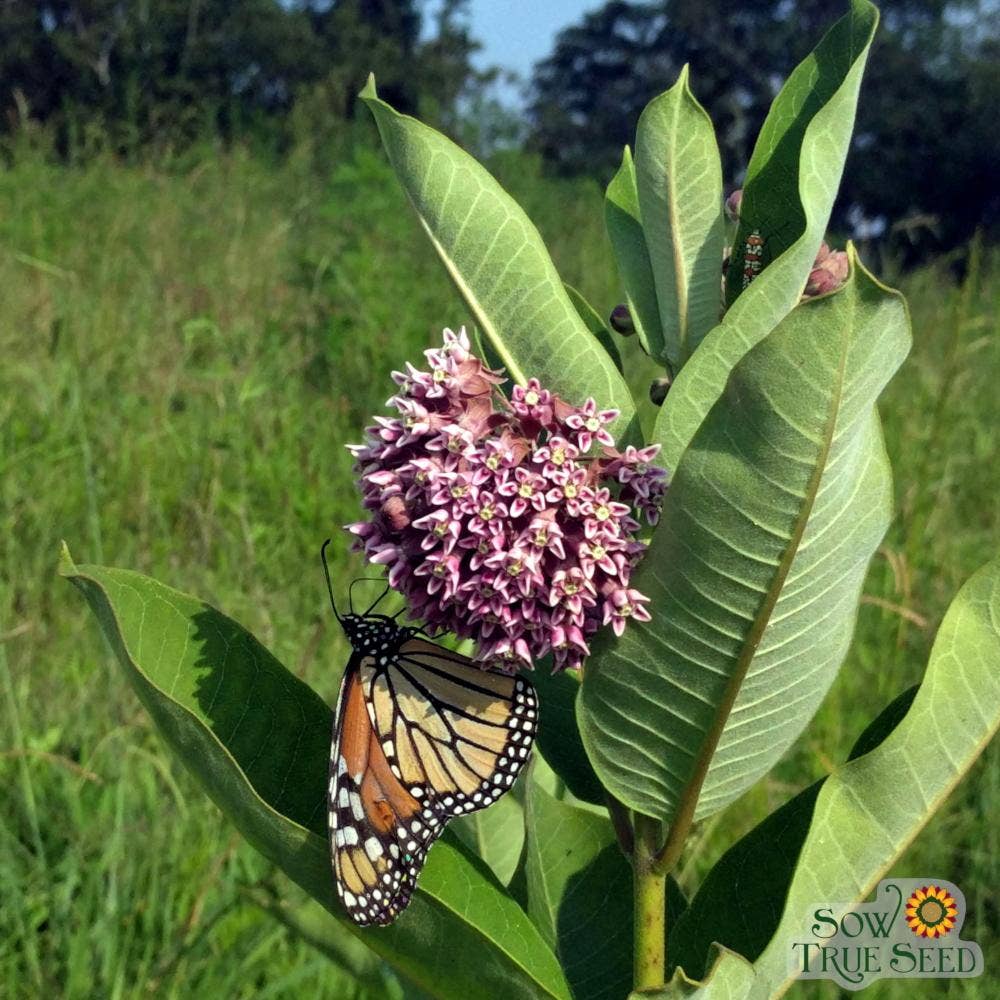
x=650 y=891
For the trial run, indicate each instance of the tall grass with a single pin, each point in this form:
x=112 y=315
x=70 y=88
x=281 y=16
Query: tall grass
x=185 y=353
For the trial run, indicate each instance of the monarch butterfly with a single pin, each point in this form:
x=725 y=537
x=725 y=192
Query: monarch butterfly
x=420 y=735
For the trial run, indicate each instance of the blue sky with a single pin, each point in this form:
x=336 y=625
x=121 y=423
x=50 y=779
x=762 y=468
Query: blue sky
x=517 y=33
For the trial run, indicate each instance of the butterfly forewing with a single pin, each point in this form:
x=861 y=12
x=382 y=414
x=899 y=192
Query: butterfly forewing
x=422 y=734
x=466 y=731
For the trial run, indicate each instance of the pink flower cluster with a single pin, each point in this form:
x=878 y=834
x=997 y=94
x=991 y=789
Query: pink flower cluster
x=494 y=521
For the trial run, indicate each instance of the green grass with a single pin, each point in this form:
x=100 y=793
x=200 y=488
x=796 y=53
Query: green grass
x=185 y=354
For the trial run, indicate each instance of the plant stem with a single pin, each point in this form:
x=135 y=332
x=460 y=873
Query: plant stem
x=650 y=893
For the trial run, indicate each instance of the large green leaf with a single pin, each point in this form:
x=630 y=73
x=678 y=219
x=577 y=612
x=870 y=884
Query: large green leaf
x=498 y=263
x=580 y=894
x=790 y=189
x=559 y=736
x=496 y=834
x=595 y=323
x=762 y=864
x=257 y=738
x=873 y=807
x=679 y=180
x=755 y=570
x=795 y=169
x=628 y=241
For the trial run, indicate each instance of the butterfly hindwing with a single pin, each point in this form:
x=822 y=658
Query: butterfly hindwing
x=370 y=813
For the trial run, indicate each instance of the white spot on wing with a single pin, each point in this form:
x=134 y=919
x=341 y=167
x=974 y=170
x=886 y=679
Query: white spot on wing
x=357 y=809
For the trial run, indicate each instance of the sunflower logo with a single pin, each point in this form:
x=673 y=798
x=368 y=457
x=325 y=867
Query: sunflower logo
x=931 y=912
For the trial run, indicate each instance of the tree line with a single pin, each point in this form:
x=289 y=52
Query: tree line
x=924 y=164
x=166 y=70
x=925 y=161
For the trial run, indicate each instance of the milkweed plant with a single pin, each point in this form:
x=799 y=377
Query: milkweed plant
x=682 y=588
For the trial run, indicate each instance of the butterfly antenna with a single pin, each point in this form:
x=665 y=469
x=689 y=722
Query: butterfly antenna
x=366 y=579
x=329 y=585
x=377 y=601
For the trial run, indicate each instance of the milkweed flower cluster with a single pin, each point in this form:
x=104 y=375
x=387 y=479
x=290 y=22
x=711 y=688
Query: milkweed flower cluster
x=510 y=522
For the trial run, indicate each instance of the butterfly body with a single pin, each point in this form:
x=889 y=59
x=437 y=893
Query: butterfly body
x=421 y=735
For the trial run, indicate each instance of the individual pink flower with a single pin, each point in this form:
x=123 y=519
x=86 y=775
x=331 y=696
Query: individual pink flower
x=733 y=204
x=591 y=425
x=622 y=605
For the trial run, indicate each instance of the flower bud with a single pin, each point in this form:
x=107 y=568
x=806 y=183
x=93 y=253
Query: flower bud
x=658 y=389
x=621 y=321
x=733 y=203
x=827 y=274
x=395 y=513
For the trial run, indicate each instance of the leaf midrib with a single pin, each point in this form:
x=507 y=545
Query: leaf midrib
x=472 y=301
x=546 y=889
x=678 y=254
x=692 y=791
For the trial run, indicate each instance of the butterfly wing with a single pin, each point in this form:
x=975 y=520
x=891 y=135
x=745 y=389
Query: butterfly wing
x=454 y=735
x=369 y=814
x=421 y=736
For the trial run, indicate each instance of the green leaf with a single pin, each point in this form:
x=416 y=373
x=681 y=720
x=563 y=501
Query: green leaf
x=496 y=834
x=257 y=739
x=730 y=978
x=798 y=158
x=791 y=185
x=679 y=180
x=558 y=735
x=594 y=322
x=628 y=242
x=763 y=865
x=756 y=567
x=499 y=265
x=580 y=894
x=873 y=807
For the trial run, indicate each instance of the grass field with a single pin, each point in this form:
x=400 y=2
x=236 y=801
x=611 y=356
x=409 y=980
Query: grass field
x=184 y=355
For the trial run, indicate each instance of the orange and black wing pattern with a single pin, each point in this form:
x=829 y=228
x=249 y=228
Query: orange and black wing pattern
x=422 y=734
